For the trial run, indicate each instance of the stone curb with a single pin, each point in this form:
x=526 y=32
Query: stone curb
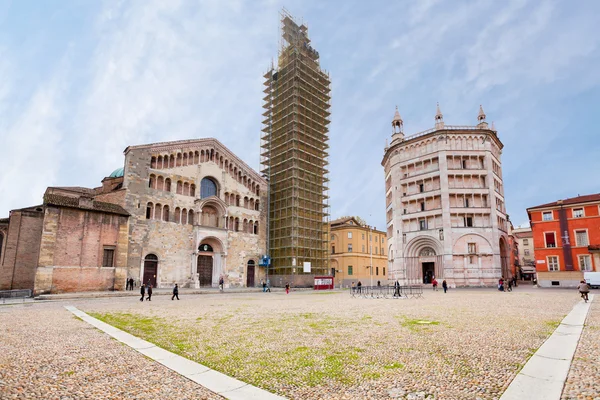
x=219 y=383
x=544 y=375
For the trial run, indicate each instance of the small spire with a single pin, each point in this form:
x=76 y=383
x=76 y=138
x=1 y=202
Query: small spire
x=493 y=126
x=481 y=115
x=397 y=116
x=397 y=123
x=439 y=118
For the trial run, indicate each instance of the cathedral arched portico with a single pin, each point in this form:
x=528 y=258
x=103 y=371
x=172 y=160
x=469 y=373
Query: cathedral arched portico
x=209 y=262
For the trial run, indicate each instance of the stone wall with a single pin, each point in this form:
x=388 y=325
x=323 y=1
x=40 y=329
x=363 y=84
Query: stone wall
x=22 y=249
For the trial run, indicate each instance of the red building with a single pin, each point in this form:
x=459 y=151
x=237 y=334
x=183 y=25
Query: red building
x=565 y=234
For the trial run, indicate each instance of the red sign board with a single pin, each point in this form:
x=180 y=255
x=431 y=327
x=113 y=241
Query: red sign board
x=323 y=282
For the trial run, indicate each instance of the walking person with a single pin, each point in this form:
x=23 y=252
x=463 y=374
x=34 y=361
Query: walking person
x=444 y=286
x=130 y=283
x=142 y=292
x=221 y=282
x=175 y=292
x=397 y=289
x=584 y=290
x=359 y=286
x=264 y=285
x=149 y=298
x=510 y=285
x=434 y=284
x=353 y=288
x=287 y=288
x=268 y=285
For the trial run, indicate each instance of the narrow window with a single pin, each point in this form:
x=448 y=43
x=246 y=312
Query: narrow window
x=550 y=239
x=585 y=264
x=547 y=216
x=472 y=248
x=149 y=209
x=349 y=235
x=422 y=224
x=423 y=206
x=349 y=269
x=108 y=257
x=332 y=249
x=581 y=238
x=553 y=264
x=577 y=212
x=383 y=271
x=349 y=247
x=421 y=188
x=469 y=221
x=376 y=270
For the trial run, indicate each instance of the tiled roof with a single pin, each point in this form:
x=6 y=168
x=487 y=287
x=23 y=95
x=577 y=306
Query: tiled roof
x=573 y=200
x=77 y=189
x=73 y=202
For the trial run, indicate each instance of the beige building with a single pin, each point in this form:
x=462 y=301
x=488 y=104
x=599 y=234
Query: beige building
x=355 y=247
x=196 y=214
x=445 y=207
x=524 y=238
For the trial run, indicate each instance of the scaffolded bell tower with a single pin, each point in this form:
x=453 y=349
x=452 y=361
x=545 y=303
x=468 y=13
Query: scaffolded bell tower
x=294 y=157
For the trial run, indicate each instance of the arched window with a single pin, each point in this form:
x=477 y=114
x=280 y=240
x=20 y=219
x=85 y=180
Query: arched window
x=160 y=183
x=171 y=161
x=185 y=159
x=179 y=187
x=153 y=162
x=159 y=162
x=196 y=157
x=208 y=188
x=157 y=211
x=178 y=164
x=149 y=209
x=192 y=190
x=257 y=205
x=177 y=215
x=184 y=215
x=191 y=217
x=245 y=226
x=246 y=202
x=256 y=228
x=168 y=184
x=237 y=225
x=152 y=182
x=186 y=189
x=165 y=216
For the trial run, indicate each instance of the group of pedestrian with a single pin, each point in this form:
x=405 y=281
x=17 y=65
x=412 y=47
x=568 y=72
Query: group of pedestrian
x=130 y=284
x=146 y=289
x=507 y=286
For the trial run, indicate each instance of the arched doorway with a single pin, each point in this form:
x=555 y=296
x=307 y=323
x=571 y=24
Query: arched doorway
x=250 y=273
x=150 y=270
x=427 y=259
x=204 y=266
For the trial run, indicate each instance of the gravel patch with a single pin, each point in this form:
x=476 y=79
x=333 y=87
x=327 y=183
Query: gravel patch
x=466 y=344
x=47 y=353
x=583 y=381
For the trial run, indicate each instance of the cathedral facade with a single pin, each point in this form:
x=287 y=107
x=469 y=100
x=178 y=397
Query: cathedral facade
x=188 y=212
x=446 y=216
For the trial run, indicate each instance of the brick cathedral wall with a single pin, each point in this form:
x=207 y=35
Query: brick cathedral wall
x=22 y=250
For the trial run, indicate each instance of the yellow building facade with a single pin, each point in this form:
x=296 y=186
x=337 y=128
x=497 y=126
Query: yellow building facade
x=355 y=247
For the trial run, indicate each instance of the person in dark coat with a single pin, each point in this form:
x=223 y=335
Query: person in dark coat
x=149 y=298
x=444 y=286
x=397 y=289
x=175 y=292
x=287 y=288
x=359 y=287
x=142 y=292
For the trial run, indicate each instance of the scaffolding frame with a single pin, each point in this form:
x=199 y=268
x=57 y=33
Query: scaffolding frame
x=294 y=154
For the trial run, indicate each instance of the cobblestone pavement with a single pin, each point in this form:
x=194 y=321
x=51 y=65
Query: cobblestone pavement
x=47 y=353
x=583 y=381
x=466 y=344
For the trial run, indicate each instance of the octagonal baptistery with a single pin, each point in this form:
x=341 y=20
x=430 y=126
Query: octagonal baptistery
x=197 y=214
x=445 y=209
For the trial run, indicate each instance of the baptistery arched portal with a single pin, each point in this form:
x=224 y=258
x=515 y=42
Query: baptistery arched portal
x=250 y=273
x=422 y=261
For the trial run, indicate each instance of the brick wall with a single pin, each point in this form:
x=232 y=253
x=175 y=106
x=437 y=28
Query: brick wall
x=21 y=249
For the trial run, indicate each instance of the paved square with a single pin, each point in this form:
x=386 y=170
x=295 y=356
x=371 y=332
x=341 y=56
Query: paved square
x=465 y=344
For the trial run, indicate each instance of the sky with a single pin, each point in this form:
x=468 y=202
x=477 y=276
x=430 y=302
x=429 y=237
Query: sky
x=82 y=80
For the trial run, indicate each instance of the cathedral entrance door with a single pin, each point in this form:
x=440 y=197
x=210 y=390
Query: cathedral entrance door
x=205 y=270
x=150 y=270
x=250 y=274
x=428 y=271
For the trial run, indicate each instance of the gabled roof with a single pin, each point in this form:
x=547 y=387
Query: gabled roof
x=588 y=198
x=73 y=202
x=345 y=221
